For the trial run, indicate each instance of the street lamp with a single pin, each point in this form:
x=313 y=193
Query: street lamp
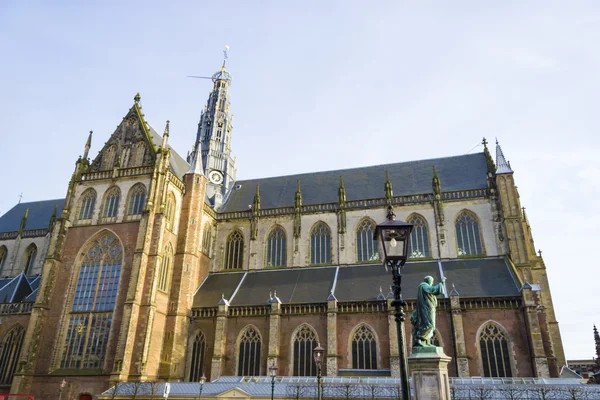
x=202 y=381
x=318 y=355
x=273 y=374
x=392 y=242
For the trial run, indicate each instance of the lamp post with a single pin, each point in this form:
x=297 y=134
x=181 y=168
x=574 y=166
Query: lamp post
x=392 y=241
x=202 y=381
x=273 y=374
x=318 y=355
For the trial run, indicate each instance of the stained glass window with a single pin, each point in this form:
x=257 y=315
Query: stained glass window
x=276 y=248
x=418 y=246
x=137 y=198
x=249 y=354
x=468 y=236
x=30 y=254
x=320 y=244
x=3 y=256
x=495 y=356
x=366 y=248
x=165 y=269
x=198 y=350
x=87 y=203
x=305 y=340
x=10 y=350
x=111 y=202
x=234 y=251
x=364 y=349
x=95 y=296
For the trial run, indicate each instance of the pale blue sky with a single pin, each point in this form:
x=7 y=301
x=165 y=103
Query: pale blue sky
x=325 y=85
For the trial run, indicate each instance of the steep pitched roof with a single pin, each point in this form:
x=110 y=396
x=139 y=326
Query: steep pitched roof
x=477 y=277
x=37 y=218
x=178 y=164
x=16 y=290
x=408 y=178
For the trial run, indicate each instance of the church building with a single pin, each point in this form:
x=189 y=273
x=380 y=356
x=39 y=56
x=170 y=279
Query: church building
x=158 y=267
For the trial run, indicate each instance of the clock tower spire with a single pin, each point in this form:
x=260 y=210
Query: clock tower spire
x=213 y=141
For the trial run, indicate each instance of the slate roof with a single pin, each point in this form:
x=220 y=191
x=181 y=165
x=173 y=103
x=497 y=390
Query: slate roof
x=38 y=217
x=477 y=277
x=407 y=178
x=178 y=164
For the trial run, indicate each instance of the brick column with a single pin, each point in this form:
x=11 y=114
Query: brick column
x=460 y=351
x=220 y=340
x=274 y=329
x=539 y=360
x=393 y=334
x=332 y=359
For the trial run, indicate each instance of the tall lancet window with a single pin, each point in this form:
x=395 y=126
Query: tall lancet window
x=418 y=246
x=468 y=236
x=198 y=353
x=111 y=202
x=164 y=272
x=10 y=349
x=249 y=353
x=234 y=251
x=364 y=348
x=366 y=249
x=320 y=244
x=170 y=211
x=276 y=248
x=86 y=204
x=206 y=239
x=3 y=257
x=495 y=356
x=90 y=318
x=30 y=256
x=137 y=199
x=305 y=340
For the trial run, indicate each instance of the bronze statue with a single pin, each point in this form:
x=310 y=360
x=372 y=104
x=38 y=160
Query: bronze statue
x=423 y=317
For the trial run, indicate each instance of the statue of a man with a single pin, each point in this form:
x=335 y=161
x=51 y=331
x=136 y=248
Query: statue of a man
x=423 y=317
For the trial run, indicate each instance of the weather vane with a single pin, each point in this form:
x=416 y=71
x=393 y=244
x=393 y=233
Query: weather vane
x=219 y=75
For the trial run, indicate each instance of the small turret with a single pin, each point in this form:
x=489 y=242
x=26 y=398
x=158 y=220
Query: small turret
x=165 y=136
x=88 y=144
x=23 y=221
x=389 y=194
x=502 y=166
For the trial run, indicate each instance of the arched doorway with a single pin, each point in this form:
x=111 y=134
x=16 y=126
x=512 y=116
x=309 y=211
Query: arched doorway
x=85 y=397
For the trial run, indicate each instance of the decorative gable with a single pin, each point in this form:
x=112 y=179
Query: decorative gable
x=129 y=146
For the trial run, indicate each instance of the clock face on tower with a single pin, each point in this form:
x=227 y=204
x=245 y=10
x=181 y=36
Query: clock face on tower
x=215 y=177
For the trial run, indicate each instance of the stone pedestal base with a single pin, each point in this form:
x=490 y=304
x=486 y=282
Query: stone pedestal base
x=428 y=368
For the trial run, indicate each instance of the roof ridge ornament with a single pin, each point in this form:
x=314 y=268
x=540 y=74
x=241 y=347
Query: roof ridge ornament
x=502 y=167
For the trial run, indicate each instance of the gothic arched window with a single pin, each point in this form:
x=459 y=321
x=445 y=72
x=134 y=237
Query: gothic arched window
x=320 y=244
x=137 y=199
x=366 y=250
x=86 y=204
x=495 y=356
x=276 y=248
x=364 y=348
x=3 y=257
x=198 y=350
x=170 y=211
x=139 y=149
x=90 y=318
x=305 y=340
x=418 y=246
x=165 y=268
x=249 y=354
x=10 y=349
x=206 y=239
x=111 y=202
x=29 y=259
x=468 y=236
x=108 y=158
x=234 y=251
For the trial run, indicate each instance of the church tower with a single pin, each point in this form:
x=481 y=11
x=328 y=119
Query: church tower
x=213 y=140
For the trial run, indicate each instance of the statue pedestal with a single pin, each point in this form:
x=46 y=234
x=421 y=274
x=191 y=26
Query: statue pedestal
x=428 y=368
